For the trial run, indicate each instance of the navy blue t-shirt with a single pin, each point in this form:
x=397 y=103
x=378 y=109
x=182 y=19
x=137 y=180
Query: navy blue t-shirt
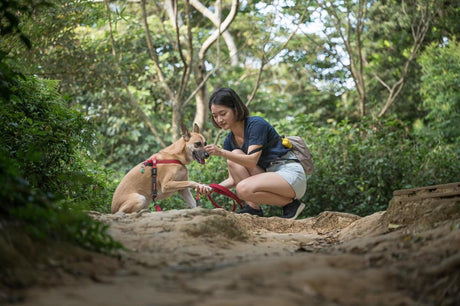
x=257 y=131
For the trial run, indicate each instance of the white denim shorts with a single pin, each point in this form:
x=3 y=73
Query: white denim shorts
x=292 y=172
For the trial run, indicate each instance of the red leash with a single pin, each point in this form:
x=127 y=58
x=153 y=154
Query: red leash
x=224 y=191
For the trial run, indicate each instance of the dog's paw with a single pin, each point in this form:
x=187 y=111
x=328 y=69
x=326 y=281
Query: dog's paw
x=141 y=212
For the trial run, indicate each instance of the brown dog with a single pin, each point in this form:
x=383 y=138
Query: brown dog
x=135 y=189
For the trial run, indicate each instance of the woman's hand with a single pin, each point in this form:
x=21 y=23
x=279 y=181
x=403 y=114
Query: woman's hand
x=203 y=189
x=214 y=150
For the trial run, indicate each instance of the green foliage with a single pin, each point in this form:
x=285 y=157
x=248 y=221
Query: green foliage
x=41 y=134
x=359 y=165
x=387 y=42
x=441 y=90
x=14 y=190
x=51 y=143
x=47 y=175
x=45 y=222
x=9 y=15
x=41 y=218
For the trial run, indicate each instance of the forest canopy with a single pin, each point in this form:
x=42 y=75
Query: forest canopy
x=91 y=88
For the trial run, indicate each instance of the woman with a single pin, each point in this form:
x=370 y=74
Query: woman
x=259 y=166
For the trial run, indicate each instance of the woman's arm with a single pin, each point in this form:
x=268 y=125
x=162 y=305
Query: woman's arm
x=246 y=160
x=228 y=183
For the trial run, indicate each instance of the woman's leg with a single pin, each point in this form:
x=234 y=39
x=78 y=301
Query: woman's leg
x=265 y=188
x=239 y=173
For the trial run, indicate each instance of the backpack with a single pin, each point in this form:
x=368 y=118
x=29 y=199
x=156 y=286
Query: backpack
x=300 y=149
x=302 y=153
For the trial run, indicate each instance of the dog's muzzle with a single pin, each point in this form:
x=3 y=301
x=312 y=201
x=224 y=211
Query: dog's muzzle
x=200 y=156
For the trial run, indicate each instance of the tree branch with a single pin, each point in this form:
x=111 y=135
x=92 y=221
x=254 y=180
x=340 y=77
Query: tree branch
x=418 y=34
x=153 y=54
x=221 y=29
x=216 y=20
x=132 y=100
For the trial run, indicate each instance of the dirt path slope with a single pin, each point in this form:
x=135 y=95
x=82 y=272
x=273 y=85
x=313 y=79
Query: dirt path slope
x=213 y=257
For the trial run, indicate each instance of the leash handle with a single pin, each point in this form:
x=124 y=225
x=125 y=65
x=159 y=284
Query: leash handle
x=226 y=192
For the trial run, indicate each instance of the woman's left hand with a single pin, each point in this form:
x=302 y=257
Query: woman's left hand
x=203 y=189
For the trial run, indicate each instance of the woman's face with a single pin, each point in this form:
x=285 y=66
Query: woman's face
x=223 y=116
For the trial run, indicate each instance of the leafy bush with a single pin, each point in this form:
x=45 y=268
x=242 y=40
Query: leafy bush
x=359 y=165
x=50 y=143
x=46 y=180
x=441 y=90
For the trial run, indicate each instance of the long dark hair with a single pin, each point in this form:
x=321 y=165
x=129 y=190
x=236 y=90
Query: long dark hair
x=229 y=98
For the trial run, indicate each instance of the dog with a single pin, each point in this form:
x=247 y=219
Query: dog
x=134 y=192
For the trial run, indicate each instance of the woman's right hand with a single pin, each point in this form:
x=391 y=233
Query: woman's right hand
x=214 y=150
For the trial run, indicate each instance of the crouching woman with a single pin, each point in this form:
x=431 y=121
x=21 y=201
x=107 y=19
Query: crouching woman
x=260 y=168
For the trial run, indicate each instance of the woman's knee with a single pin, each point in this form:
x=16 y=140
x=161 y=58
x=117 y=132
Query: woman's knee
x=244 y=189
x=231 y=164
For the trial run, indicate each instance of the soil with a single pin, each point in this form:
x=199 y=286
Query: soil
x=406 y=255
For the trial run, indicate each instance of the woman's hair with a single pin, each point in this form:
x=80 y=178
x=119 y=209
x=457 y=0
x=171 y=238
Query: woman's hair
x=229 y=98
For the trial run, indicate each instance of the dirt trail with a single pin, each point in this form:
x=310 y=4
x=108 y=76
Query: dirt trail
x=407 y=255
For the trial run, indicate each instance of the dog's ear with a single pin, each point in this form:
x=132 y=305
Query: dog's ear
x=185 y=133
x=196 y=128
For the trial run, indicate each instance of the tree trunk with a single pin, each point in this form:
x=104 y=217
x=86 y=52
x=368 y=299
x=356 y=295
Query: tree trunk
x=200 y=71
x=201 y=98
x=177 y=119
x=132 y=100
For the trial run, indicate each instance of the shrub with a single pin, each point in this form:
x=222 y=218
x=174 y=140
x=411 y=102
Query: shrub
x=43 y=158
x=440 y=89
x=359 y=165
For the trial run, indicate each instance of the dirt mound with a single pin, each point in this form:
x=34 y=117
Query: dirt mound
x=403 y=256
x=425 y=206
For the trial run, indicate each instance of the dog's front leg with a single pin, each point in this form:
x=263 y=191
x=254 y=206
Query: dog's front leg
x=182 y=187
x=172 y=186
x=187 y=196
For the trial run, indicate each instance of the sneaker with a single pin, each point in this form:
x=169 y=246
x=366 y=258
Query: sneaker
x=249 y=210
x=292 y=210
